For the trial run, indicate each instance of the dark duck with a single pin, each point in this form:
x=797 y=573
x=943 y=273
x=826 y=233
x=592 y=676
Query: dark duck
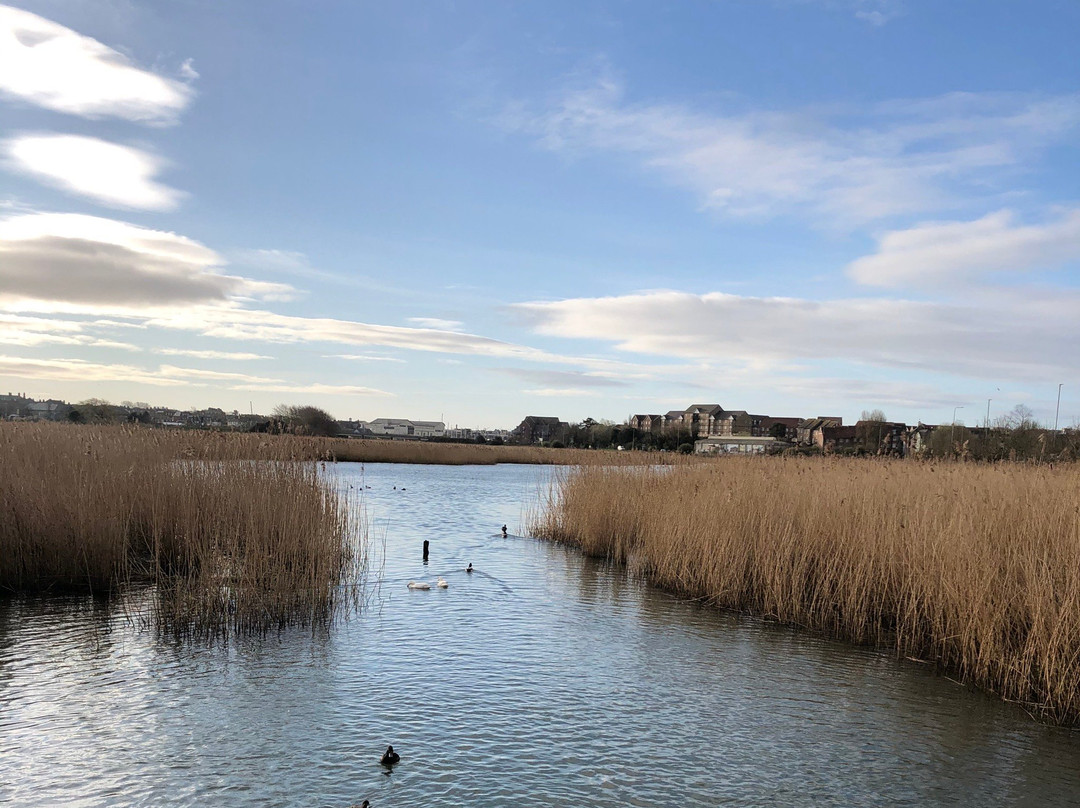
x=390 y=757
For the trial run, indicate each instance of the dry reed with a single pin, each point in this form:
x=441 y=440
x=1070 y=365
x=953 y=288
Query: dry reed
x=460 y=454
x=232 y=532
x=975 y=568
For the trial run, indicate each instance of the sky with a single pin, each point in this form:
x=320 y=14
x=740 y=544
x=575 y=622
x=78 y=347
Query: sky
x=476 y=211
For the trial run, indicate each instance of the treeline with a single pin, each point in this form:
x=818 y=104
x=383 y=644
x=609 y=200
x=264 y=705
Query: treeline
x=593 y=434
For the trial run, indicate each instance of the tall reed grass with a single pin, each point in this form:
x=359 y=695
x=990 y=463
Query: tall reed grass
x=232 y=532
x=459 y=454
x=975 y=568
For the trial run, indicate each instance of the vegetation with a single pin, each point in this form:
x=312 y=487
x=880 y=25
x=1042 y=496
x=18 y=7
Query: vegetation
x=972 y=567
x=460 y=454
x=233 y=533
x=303 y=421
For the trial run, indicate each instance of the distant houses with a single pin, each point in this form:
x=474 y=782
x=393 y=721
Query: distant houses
x=714 y=430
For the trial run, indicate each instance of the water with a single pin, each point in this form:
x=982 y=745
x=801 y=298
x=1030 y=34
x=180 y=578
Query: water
x=542 y=678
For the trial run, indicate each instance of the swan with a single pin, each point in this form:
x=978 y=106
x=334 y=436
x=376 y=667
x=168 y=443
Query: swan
x=441 y=583
x=390 y=757
x=419 y=585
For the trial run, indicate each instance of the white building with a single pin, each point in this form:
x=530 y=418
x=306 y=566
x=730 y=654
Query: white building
x=404 y=428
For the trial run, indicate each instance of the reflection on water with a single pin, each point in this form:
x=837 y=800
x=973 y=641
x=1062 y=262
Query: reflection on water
x=540 y=678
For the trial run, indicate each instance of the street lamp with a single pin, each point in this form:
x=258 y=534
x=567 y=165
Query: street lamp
x=987 y=424
x=1057 y=410
x=952 y=428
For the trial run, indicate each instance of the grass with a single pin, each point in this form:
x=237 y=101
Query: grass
x=974 y=568
x=232 y=532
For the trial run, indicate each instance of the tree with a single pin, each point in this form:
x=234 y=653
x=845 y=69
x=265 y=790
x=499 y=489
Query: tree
x=1020 y=417
x=873 y=415
x=97 y=411
x=305 y=420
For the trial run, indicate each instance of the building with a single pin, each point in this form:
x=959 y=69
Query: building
x=541 y=429
x=737 y=444
x=403 y=428
x=810 y=430
x=782 y=428
x=837 y=438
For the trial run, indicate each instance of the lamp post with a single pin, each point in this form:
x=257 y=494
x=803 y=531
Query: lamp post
x=987 y=424
x=952 y=427
x=1057 y=410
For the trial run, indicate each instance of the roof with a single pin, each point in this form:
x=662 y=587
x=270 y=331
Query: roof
x=710 y=408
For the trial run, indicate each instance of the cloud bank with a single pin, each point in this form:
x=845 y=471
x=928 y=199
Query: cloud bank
x=994 y=334
x=68 y=262
x=943 y=253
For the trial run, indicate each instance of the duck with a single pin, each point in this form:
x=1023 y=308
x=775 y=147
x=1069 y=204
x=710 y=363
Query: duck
x=504 y=531
x=469 y=568
x=419 y=585
x=441 y=583
x=390 y=757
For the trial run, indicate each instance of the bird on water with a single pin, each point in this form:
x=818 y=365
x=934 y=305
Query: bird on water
x=469 y=568
x=390 y=757
x=419 y=585
x=441 y=583
x=504 y=531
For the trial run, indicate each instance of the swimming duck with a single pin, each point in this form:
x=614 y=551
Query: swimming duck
x=469 y=568
x=390 y=757
x=419 y=585
x=441 y=583
x=504 y=531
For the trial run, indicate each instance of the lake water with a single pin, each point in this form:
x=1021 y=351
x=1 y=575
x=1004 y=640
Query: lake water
x=541 y=679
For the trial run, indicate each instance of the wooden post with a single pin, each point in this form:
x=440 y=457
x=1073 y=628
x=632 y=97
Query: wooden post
x=425 y=549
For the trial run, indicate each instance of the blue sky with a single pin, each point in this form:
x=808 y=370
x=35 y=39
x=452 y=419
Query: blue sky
x=476 y=211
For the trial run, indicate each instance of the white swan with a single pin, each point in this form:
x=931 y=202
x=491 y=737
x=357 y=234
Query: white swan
x=419 y=585
x=441 y=583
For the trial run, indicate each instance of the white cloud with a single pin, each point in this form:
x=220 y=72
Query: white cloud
x=436 y=323
x=875 y=12
x=32 y=331
x=230 y=355
x=940 y=253
x=995 y=333
x=171 y=371
x=317 y=389
x=79 y=371
x=564 y=379
x=115 y=175
x=72 y=262
x=188 y=71
x=559 y=392
x=364 y=358
x=46 y=64
x=838 y=165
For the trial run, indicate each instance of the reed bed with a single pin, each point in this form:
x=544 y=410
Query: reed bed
x=231 y=533
x=973 y=568
x=462 y=454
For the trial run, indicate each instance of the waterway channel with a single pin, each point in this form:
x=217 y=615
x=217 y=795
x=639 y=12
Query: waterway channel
x=542 y=678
